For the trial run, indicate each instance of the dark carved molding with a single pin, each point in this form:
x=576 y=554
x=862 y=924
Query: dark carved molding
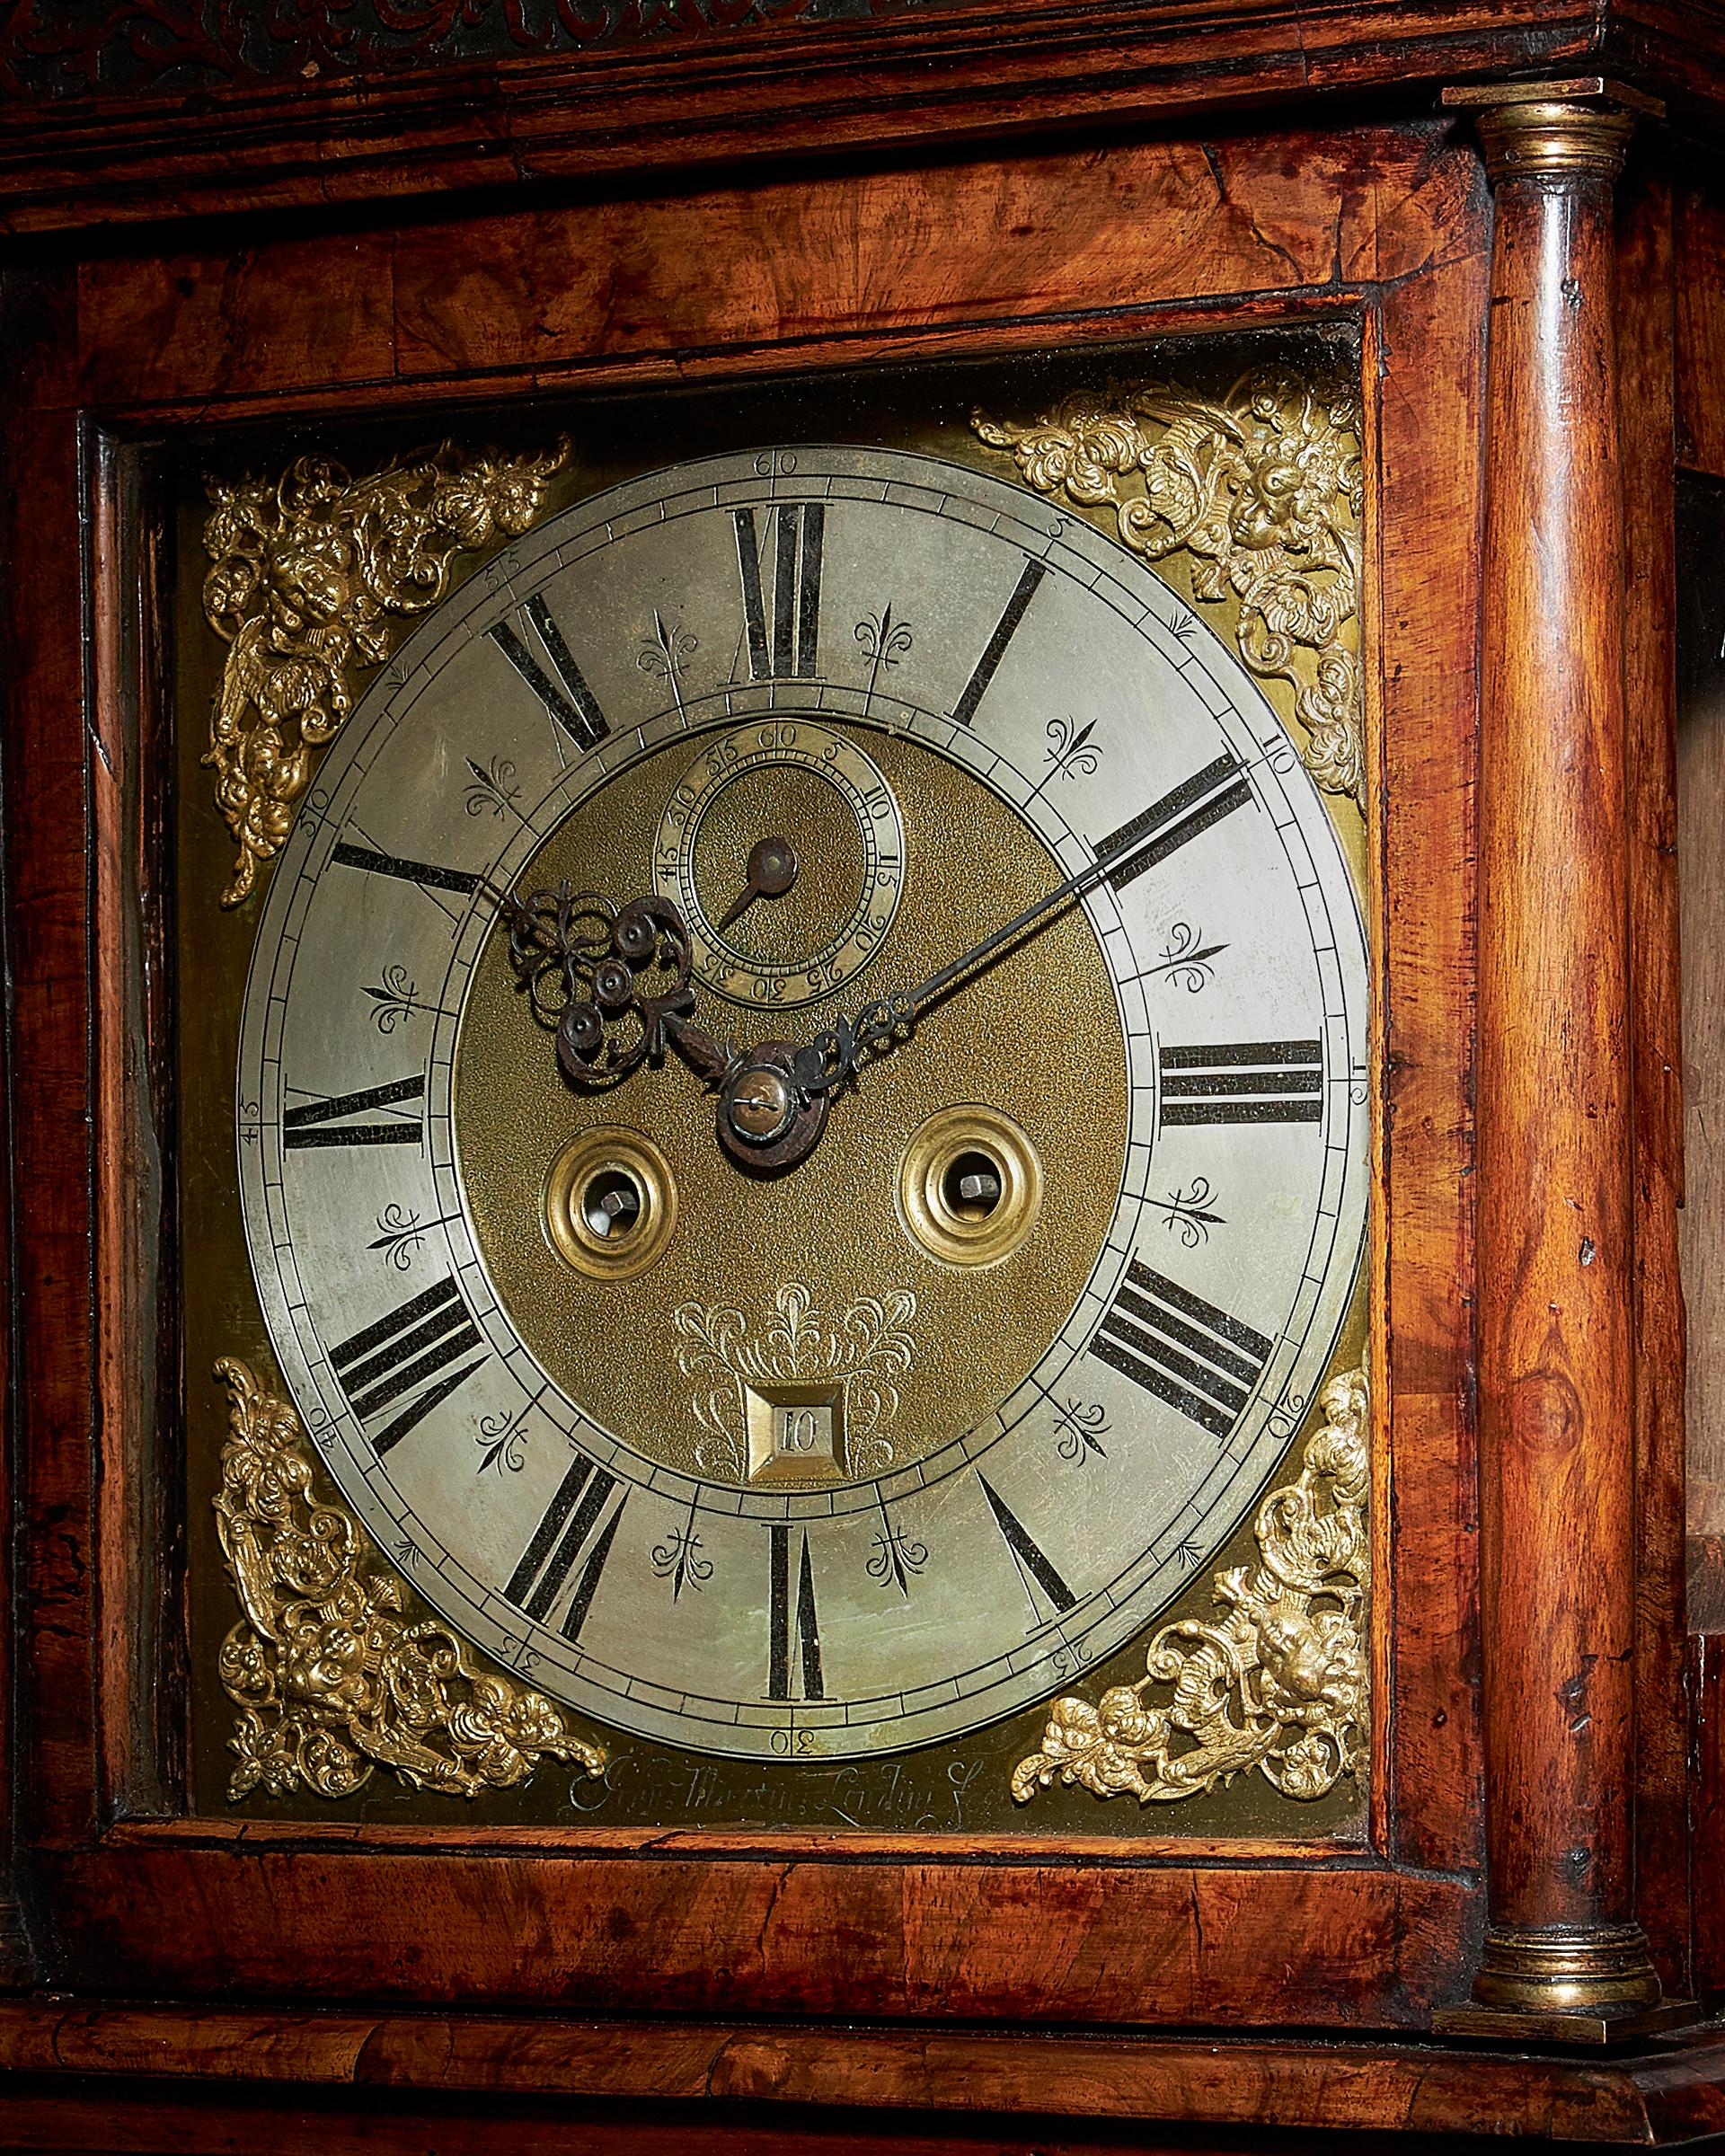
x=52 y=49
x=18 y=1967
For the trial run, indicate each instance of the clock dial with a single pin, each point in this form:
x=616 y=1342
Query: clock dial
x=719 y=854
x=845 y=1455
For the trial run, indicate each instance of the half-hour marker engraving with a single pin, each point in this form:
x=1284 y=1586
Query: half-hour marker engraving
x=792 y=1627
x=1243 y=1081
x=1193 y=806
x=1181 y=1348
x=567 y=698
x=319 y=1122
x=1033 y=1565
x=558 y=1540
x=994 y=650
x=416 y=1342
x=785 y=645
x=426 y=873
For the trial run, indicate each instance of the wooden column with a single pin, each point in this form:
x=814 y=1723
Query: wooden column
x=1557 y=1488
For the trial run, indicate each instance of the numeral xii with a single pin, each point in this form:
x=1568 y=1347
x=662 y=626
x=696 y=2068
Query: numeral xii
x=786 y=644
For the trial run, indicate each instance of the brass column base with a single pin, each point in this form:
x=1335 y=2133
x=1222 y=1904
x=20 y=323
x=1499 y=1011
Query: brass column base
x=1563 y=1985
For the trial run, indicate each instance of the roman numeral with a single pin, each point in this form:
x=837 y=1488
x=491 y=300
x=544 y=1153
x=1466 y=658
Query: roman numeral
x=558 y=1540
x=1243 y=1081
x=785 y=646
x=318 y=1122
x=994 y=650
x=1193 y=806
x=427 y=874
x=1033 y=1565
x=1183 y=1349
x=418 y=1341
x=567 y=698
x=794 y=1641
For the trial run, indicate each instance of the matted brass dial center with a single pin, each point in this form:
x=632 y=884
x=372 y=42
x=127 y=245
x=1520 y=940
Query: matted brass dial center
x=773 y=1204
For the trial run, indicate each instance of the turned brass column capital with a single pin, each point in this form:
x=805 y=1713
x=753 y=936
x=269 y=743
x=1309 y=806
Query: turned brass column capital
x=1558 y=1984
x=1578 y=129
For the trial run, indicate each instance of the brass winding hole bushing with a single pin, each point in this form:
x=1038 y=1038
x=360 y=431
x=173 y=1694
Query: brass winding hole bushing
x=610 y=1203
x=970 y=1186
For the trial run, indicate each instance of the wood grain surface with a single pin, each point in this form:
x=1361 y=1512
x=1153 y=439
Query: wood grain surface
x=1383 y=227
x=596 y=231
x=790 y=273
x=931 y=85
x=1556 y=1253
x=1646 y=386
x=1071 y=2090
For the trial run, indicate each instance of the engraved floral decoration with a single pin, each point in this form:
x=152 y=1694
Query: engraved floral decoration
x=865 y=1352
x=1276 y=1682
x=1262 y=490
x=309 y=574
x=332 y=1676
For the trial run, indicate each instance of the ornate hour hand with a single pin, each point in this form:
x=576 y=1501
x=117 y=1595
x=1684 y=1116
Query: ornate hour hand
x=611 y=982
x=772 y=870
x=581 y=958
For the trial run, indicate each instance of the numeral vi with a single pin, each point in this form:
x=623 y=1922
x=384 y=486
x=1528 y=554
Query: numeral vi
x=793 y=1642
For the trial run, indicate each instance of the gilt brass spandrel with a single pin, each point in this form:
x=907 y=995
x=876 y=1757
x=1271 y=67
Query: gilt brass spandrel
x=1274 y=1681
x=956 y=1788
x=1259 y=491
x=336 y=1674
x=309 y=577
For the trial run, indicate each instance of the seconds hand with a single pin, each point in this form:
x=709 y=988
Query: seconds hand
x=1202 y=799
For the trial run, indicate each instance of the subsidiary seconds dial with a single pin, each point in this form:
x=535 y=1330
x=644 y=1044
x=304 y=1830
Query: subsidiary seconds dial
x=845 y=866
x=830 y=1453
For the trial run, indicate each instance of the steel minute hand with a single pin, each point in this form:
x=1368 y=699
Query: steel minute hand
x=1202 y=799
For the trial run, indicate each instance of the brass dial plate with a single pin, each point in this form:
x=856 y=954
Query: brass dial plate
x=869 y=1447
